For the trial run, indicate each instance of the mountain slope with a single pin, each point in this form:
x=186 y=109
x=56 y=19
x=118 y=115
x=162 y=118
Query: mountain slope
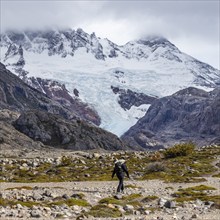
x=188 y=115
x=152 y=66
x=56 y=131
x=17 y=95
x=45 y=120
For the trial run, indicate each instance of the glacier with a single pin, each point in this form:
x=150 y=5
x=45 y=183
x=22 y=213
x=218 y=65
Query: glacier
x=152 y=66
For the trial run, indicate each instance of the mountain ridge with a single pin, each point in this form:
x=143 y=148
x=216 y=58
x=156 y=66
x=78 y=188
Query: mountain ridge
x=84 y=62
x=190 y=114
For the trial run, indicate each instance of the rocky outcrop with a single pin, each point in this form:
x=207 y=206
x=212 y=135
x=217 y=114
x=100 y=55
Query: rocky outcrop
x=128 y=98
x=12 y=139
x=55 y=131
x=18 y=96
x=62 y=42
x=58 y=92
x=190 y=114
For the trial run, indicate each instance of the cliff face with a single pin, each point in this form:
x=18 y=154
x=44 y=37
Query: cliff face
x=55 y=131
x=190 y=114
x=18 y=96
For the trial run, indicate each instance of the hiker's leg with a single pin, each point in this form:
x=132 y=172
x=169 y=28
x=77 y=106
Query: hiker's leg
x=120 y=185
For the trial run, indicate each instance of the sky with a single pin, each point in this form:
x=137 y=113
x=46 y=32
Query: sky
x=193 y=25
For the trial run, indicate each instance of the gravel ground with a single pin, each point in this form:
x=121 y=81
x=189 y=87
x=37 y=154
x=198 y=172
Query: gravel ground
x=94 y=191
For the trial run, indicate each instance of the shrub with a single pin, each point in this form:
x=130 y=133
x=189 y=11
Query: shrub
x=155 y=167
x=104 y=211
x=179 y=150
x=66 y=161
x=156 y=156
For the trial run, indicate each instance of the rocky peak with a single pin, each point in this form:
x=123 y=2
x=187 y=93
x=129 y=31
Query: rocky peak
x=55 y=41
x=12 y=51
x=191 y=91
x=128 y=98
x=190 y=114
x=155 y=41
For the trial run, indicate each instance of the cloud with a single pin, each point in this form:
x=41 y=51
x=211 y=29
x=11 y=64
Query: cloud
x=191 y=25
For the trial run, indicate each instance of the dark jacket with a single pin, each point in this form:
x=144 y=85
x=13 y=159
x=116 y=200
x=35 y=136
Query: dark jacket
x=119 y=169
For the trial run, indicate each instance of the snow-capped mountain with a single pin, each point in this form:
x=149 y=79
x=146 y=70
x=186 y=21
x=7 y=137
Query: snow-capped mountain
x=152 y=66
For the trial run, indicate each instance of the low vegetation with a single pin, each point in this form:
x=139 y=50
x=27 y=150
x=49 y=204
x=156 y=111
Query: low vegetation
x=70 y=202
x=180 y=163
x=180 y=150
x=104 y=211
x=58 y=202
x=197 y=192
x=20 y=188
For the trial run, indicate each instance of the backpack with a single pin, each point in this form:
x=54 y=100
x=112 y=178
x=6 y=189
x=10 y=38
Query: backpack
x=118 y=167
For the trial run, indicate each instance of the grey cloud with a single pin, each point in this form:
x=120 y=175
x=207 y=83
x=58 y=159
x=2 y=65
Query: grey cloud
x=180 y=21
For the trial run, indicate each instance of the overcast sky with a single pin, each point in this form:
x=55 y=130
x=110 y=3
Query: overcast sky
x=193 y=26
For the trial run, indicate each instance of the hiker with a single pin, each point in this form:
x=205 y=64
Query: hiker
x=119 y=169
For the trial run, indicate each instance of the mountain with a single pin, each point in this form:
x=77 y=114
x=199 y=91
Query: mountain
x=53 y=130
x=114 y=80
x=29 y=118
x=189 y=115
x=16 y=95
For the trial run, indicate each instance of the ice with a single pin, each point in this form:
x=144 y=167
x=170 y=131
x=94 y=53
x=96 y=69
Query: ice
x=137 y=67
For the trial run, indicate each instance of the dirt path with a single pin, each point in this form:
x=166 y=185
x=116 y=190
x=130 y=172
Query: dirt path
x=94 y=191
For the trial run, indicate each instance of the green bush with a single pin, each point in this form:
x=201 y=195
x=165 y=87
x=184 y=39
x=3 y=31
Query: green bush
x=103 y=211
x=66 y=161
x=155 y=167
x=179 y=150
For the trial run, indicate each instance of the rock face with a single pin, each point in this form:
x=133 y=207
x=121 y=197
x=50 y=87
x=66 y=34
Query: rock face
x=10 y=138
x=17 y=95
x=129 y=98
x=62 y=42
x=190 y=114
x=55 y=131
x=58 y=92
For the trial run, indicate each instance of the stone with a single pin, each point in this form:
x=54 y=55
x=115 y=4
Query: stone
x=53 y=195
x=111 y=206
x=37 y=196
x=194 y=216
x=47 y=209
x=96 y=155
x=146 y=212
x=47 y=193
x=138 y=213
x=170 y=204
x=118 y=196
x=35 y=214
x=128 y=207
x=65 y=196
x=19 y=206
x=161 y=202
x=209 y=203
